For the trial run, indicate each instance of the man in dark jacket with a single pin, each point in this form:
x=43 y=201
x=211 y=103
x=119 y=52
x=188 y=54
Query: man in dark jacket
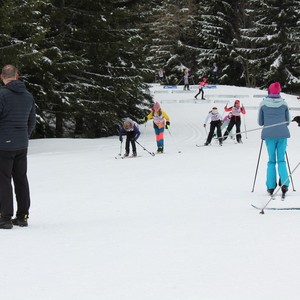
x=17 y=121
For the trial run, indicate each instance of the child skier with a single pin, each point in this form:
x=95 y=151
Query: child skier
x=160 y=121
x=236 y=110
x=200 y=87
x=132 y=132
x=216 y=122
x=225 y=123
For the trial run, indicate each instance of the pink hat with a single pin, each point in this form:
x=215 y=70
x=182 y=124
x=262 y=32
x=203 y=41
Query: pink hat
x=156 y=106
x=274 y=88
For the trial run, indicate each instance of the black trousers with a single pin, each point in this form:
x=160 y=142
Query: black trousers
x=130 y=139
x=213 y=126
x=200 y=91
x=235 y=120
x=13 y=166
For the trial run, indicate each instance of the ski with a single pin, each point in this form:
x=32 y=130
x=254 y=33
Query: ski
x=277 y=208
x=208 y=145
x=130 y=156
x=124 y=157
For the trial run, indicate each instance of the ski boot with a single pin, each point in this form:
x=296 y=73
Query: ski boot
x=284 y=189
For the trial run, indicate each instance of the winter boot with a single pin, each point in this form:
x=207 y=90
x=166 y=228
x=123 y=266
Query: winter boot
x=270 y=191
x=20 y=221
x=5 y=223
x=126 y=154
x=134 y=154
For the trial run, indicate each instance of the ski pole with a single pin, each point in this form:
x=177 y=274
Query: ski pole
x=277 y=190
x=151 y=153
x=244 y=117
x=260 y=128
x=287 y=160
x=258 y=160
x=120 y=149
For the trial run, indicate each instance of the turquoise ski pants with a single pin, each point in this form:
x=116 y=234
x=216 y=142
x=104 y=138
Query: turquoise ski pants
x=276 y=151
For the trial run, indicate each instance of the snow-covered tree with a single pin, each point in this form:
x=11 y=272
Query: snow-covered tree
x=268 y=48
x=171 y=26
x=216 y=29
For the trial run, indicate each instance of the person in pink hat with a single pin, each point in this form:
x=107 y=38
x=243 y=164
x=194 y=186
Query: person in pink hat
x=274 y=110
x=200 y=88
x=235 y=119
x=160 y=121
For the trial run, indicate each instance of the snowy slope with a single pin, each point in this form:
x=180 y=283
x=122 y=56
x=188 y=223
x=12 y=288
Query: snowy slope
x=176 y=226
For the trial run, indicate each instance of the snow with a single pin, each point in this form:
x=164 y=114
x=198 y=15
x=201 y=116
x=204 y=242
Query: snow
x=176 y=226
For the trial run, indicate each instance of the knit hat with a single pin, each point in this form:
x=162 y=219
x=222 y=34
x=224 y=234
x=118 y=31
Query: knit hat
x=127 y=124
x=274 y=88
x=156 y=106
x=214 y=110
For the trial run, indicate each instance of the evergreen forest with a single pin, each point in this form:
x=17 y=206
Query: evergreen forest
x=88 y=63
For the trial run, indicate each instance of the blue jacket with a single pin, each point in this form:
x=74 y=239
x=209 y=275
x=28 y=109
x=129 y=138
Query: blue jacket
x=17 y=116
x=273 y=110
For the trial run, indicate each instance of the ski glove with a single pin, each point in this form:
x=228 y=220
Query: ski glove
x=167 y=125
x=297 y=119
x=121 y=139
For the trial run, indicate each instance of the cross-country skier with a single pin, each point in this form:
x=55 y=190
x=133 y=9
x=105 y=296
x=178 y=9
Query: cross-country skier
x=200 y=88
x=216 y=122
x=132 y=132
x=236 y=110
x=225 y=123
x=160 y=121
x=273 y=109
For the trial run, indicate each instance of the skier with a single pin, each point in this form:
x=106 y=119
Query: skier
x=200 y=87
x=132 y=132
x=216 y=122
x=186 y=79
x=273 y=109
x=225 y=123
x=236 y=110
x=160 y=121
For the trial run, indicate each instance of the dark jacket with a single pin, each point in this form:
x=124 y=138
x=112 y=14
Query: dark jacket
x=17 y=116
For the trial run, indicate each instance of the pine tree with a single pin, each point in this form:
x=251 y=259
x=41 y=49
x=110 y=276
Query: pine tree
x=268 y=48
x=216 y=27
x=171 y=25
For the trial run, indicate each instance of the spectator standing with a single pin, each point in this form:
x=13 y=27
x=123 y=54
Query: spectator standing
x=214 y=73
x=17 y=121
x=186 y=80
